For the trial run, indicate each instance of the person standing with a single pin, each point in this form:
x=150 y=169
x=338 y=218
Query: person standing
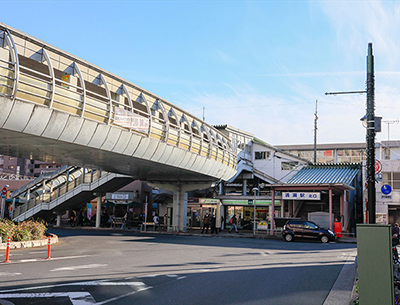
x=214 y=229
x=72 y=218
x=206 y=223
x=156 y=221
x=396 y=234
x=166 y=222
x=233 y=222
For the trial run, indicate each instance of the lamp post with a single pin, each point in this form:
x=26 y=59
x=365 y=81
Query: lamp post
x=255 y=190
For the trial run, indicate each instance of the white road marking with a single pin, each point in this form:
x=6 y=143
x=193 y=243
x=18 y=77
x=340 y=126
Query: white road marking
x=9 y=274
x=69 y=257
x=181 y=278
x=172 y=275
x=104 y=283
x=93 y=283
x=72 y=268
x=76 y=298
x=30 y=260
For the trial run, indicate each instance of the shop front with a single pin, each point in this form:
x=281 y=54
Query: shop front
x=198 y=207
x=245 y=209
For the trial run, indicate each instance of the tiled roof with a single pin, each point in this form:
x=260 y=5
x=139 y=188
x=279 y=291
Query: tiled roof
x=343 y=173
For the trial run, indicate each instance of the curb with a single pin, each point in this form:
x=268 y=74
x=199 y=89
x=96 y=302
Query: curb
x=30 y=243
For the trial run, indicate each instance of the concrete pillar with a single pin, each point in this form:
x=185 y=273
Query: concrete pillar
x=272 y=210
x=179 y=203
x=291 y=209
x=58 y=224
x=222 y=188
x=98 y=212
x=244 y=189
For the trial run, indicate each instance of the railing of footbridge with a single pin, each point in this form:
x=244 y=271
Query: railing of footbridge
x=33 y=71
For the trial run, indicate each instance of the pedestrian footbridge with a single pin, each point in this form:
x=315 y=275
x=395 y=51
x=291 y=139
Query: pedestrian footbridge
x=59 y=108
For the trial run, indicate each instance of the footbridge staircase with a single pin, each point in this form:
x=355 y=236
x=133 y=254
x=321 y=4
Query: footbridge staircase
x=68 y=188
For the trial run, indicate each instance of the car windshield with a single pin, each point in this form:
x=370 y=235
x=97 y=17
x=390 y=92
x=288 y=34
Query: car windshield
x=310 y=225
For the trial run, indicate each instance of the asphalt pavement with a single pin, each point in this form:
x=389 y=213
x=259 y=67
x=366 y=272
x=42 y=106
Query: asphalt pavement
x=341 y=293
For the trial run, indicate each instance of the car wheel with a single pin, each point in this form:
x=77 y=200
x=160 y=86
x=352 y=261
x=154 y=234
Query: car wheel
x=324 y=239
x=289 y=237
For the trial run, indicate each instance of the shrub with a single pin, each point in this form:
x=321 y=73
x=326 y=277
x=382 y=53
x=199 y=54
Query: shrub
x=22 y=231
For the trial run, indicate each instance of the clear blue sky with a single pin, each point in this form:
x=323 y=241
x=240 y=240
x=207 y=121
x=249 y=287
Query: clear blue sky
x=256 y=65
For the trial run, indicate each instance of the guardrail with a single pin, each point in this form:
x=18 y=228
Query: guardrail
x=33 y=71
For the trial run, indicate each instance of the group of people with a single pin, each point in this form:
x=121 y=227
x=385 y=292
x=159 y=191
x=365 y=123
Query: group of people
x=210 y=220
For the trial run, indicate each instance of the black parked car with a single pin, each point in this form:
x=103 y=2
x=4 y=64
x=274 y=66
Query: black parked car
x=306 y=229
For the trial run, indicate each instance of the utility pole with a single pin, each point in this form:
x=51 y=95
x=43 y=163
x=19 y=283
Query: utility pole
x=315 y=131
x=370 y=138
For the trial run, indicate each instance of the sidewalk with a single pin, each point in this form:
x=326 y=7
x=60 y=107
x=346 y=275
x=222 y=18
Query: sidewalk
x=197 y=232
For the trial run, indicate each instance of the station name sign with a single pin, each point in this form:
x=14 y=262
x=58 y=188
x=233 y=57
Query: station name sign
x=301 y=196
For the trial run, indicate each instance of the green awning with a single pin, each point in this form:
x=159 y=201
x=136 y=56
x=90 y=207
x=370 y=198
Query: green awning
x=134 y=203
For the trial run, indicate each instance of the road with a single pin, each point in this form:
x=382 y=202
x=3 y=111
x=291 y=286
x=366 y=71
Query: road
x=104 y=267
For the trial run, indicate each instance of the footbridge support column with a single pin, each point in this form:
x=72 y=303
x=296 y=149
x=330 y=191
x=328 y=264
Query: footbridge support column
x=98 y=209
x=180 y=198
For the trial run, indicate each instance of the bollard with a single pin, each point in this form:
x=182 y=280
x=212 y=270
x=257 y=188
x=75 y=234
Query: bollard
x=7 y=251
x=48 y=248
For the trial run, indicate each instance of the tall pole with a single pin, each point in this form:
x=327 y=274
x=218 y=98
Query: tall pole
x=315 y=132
x=370 y=138
x=255 y=190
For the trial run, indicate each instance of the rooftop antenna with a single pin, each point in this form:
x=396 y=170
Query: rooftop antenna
x=315 y=131
x=204 y=113
x=388 y=122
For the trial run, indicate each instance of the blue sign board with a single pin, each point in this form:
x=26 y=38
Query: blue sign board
x=386 y=189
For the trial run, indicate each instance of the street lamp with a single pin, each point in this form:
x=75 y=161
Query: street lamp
x=254 y=190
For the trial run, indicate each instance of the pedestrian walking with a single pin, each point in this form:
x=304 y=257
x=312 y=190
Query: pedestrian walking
x=206 y=223
x=233 y=222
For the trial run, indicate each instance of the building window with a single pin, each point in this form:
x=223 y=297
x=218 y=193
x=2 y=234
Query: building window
x=393 y=179
x=386 y=153
x=261 y=155
x=396 y=181
x=287 y=166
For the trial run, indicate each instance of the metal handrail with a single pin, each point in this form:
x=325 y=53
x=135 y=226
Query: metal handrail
x=58 y=191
